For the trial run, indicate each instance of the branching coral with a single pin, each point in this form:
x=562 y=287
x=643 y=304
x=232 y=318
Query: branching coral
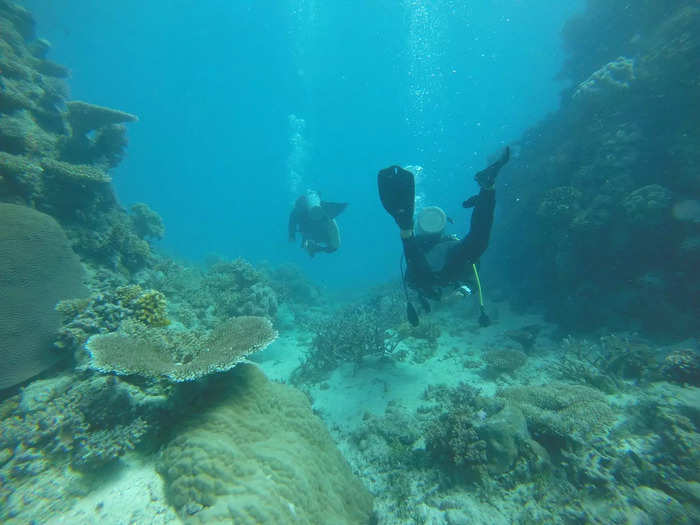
x=104 y=312
x=87 y=422
x=347 y=336
x=237 y=288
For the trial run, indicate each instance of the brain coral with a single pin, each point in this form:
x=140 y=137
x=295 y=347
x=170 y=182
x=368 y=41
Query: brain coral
x=37 y=269
x=256 y=454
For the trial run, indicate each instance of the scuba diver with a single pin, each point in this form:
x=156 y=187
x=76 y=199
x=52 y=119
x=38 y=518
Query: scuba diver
x=434 y=260
x=314 y=219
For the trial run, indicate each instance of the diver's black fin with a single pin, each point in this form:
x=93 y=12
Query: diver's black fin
x=397 y=191
x=333 y=209
x=411 y=314
x=487 y=177
x=484 y=319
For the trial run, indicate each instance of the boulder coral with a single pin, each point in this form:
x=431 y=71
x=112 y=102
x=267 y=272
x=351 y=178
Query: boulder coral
x=38 y=268
x=256 y=454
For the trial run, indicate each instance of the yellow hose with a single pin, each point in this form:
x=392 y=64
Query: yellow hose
x=478 y=285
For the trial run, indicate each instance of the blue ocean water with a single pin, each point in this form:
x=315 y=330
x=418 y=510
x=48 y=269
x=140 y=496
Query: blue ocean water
x=244 y=105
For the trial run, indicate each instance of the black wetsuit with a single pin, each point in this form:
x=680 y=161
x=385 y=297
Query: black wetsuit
x=435 y=263
x=319 y=233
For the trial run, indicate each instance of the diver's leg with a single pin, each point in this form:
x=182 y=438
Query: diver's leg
x=476 y=241
x=418 y=271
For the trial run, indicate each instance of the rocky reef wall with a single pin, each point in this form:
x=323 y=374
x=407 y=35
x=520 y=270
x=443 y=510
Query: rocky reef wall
x=600 y=216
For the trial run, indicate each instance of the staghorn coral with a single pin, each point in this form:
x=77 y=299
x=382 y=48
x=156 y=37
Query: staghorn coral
x=178 y=355
x=37 y=269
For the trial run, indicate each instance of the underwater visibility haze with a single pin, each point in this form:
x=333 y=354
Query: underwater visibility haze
x=392 y=262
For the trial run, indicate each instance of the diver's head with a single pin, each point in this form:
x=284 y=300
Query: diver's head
x=431 y=221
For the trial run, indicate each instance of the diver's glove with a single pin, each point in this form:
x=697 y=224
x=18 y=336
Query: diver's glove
x=487 y=178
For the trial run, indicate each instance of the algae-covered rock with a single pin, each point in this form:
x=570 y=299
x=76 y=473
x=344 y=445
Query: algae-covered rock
x=257 y=455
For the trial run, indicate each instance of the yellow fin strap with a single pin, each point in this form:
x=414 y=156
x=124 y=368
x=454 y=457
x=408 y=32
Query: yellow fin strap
x=478 y=285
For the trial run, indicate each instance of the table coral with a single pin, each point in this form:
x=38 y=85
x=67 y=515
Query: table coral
x=178 y=355
x=561 y=415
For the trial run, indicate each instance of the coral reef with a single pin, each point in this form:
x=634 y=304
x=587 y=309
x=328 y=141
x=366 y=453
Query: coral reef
x=63 y=427
x=237 y=288
x=178 y=355
x=147 y=223
x=50 y=159
x=37 y=269
x=597 y=182
x=106 y=309
x=286 y=468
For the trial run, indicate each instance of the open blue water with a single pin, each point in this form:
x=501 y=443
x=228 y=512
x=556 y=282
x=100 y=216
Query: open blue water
x=244 y=105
